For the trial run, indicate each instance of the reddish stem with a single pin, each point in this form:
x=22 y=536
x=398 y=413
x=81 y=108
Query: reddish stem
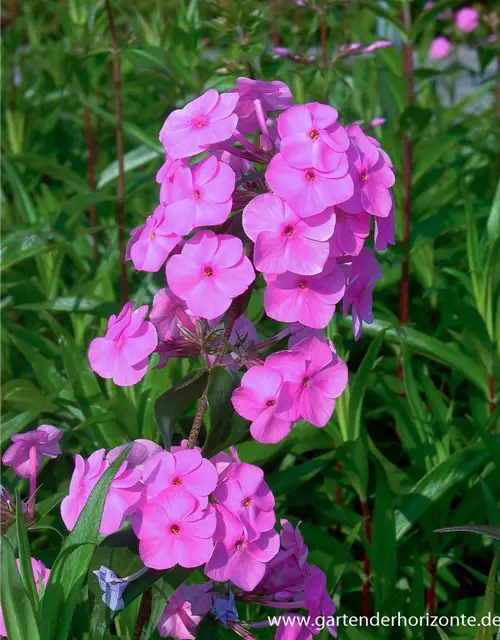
x=32 y=479
x=144 y=614
x=430 y=597
x=120 y=185
x=91 y=172
x=404 y=291
x=367 y=526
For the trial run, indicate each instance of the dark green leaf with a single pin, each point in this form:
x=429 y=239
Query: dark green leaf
x=171 y=405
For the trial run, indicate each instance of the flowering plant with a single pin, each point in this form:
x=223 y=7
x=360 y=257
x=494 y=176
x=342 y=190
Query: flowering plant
x=256 y=195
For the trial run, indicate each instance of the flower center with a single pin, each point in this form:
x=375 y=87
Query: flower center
x=119 y=344
x=288 y=230
x=208 y=271
x=303 y=284
x=153 y=235
x=240 y=545
x=364 y=176
x=175 y=529
x=177 y=482
x=314 y=134
x=201 y=122
x=196 y=194
x=247 y=502
x=306 y=382
x=271 y=403
x=310 y=175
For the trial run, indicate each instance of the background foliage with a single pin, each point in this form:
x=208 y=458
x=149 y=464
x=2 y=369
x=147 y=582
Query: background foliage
x=412 y=445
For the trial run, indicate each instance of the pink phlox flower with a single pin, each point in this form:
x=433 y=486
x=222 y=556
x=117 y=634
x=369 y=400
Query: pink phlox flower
x=208 y=119
x=312 y=137
x=291 y=627
x=371 y=174
x=300 y=332
x=309 y=191
x=123 y=495
x=379 y=44
x=44 y=439
x=313 y=381
x=224 y=462
x=122 y=354
x=350 y=233
x=41 y=576
x=257 y=94
x=201 y=196
x=318 y=602
x=440 y=48
x=260 y=399
x=141 y=451
x=292 y=541
x=467 y=19
x=168 y=311
x=150 y=245
x=209 y=273
x=173 y=530
x=185 y=470
x=179 y=619
x=235 y=557
x=384 y=233
x=309 y=300
x=283 y=240
x=165 y=177
x=240 y=166
x=364 y=272
x=247 y=496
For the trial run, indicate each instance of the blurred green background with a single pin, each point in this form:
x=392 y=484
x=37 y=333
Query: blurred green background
x=413 y=444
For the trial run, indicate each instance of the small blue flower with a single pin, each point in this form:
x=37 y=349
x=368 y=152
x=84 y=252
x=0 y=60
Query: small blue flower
x=112 y=588
x=224 y=609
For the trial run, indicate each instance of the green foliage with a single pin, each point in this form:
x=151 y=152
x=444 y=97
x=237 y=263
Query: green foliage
x=414 y=437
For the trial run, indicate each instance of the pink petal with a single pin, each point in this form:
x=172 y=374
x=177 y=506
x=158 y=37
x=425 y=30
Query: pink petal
x=269 y=429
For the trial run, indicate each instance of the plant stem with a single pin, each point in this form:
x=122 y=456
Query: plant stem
x=144 y=614
x=234 y=312
x=431 y=592
x=367 y=525
x=91 y=171
x=32 y=492
x=120 y=185
x=404 y=292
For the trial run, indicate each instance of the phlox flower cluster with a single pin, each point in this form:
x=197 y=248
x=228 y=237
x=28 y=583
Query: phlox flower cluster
x=189 y=511
x=257 y=191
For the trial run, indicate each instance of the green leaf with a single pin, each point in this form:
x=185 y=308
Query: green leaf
x=70 y=568
x=27 y=205
x=493 y=224
x=18 y=615
x=131 y=160
x=359 y=386
x=481 y=529
x=21 y=245
x=23 y=544
x=74 y=304
x=436 y=483
x=487 y=632
x=226 y=426
x=430 y=347
x=49 y=167
x=171 y=405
